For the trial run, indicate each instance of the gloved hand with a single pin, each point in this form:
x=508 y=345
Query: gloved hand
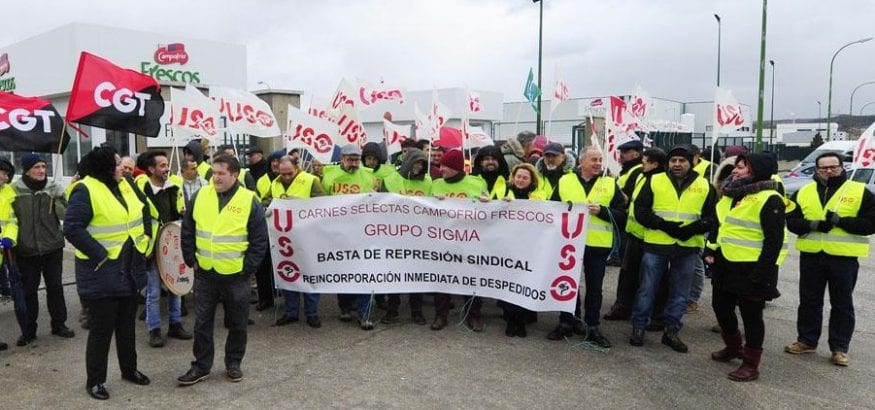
x=6 y=243
x=832 y=217
x=824 y=226
x=670 y=227
x=687 y=231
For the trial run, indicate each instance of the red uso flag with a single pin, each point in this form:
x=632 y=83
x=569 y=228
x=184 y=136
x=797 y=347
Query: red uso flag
x=107 y=96
x=30 y=124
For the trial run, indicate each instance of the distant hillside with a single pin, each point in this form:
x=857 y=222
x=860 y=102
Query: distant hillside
x=854 y=126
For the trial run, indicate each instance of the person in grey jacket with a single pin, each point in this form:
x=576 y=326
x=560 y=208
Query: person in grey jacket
x=39 y=206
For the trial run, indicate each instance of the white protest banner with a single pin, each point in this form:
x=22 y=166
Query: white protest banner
x=618 y=131
x=246 y=113
x=728 y=115
x=387 y=243
x=640 y=109
x=316 y=135
x=192 y=113
x=477 y=138
x=474 y=102
x=368 y=94
x=319 y=108
x=344 y=112
x=864 y=153
x=394 y=135
x=560 y=90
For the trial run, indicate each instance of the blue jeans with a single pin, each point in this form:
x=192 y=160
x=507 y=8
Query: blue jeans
x=153 y=300
x=819 y=272
x=680 y=271
x=293 y=303
x=698 y=280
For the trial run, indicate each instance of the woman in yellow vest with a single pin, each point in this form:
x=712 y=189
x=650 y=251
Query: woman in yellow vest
x=750 y=245
x=523 y=185
x=107 y=223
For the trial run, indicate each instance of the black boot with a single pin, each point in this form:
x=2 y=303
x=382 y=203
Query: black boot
x=637 y=338
x=670 y=338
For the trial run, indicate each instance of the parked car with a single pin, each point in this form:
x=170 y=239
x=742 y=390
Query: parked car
x=843 y=148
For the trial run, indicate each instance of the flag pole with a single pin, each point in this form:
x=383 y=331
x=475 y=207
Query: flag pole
x=57 y=164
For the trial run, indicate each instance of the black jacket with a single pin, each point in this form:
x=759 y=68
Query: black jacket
x=646 y=217
x=255 y=226
x=755 y=280
x=629 y=187
x=862 y=224
x=121 y=277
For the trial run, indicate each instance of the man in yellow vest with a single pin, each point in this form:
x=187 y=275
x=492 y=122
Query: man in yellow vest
x=193 y=152
x=490 y=165
x=294 y=183
x=653 y=162
x=374 y=157
x=833 y=219
x=245 y=176
x=602 y=197
x=456 y=184
x=351 y=178
x=677 y=209
x=552 y=166
x=224 y=238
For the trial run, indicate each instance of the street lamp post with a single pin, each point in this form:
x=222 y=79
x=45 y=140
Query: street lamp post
x=759 y=136
x=864 y=106
x=851 y=110
x=772 y=120
x=829 y=98
x=716 y=16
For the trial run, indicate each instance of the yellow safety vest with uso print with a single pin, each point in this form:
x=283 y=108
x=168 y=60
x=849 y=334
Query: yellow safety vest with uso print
x=300 y=187
x=622 y=179
x=337 y=181
x=600 y=232
x=702 y=168
x=221 y=238
x=468 y=187
x=633 y=227
x=740 y=237
x=113 y=223
x=397 y=184
x=686 y=209
x=845 y=202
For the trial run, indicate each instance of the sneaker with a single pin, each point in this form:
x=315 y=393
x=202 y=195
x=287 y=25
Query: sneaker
x=366 y=324
x=314 y=322
x=176 y=331
x=692 y=307
x=799 y=348
x=839 y=358
x=155 y=339
x=192 y=376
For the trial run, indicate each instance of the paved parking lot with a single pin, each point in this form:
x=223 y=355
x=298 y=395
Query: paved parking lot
x=410 y=366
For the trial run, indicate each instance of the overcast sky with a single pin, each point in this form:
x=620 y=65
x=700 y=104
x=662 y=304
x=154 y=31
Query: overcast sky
x=603 y=47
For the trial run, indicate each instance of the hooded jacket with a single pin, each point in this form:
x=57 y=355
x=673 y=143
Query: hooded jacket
x=490 y=177
x=413 y=155
x=513 y=152
x=39 y=231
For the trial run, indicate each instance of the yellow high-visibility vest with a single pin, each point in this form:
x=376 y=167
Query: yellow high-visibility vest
x=845 y=202
x=600 y=232
x=300 y=187
x=740 y=236
x=221 y=237
x=686 y=209
x=112 y=223
x=633 y=227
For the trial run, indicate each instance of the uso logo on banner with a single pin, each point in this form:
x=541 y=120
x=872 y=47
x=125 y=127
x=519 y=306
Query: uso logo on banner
x=564 y=287
x=283 y=222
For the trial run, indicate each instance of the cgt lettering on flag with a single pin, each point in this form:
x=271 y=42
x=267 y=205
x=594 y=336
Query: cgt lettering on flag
x=30 y=124
x=106 y=94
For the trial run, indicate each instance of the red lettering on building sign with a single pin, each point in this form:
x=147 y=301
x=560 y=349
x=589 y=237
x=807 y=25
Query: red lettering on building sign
x=171 y=53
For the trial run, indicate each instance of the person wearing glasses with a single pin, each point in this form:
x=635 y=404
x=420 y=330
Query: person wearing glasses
x=834 y=217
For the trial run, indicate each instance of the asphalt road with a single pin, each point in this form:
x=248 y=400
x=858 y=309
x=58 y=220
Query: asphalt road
x=410 y=366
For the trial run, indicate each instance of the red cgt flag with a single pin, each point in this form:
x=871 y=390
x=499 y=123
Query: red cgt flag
x=30 y=124
x=107 y=96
